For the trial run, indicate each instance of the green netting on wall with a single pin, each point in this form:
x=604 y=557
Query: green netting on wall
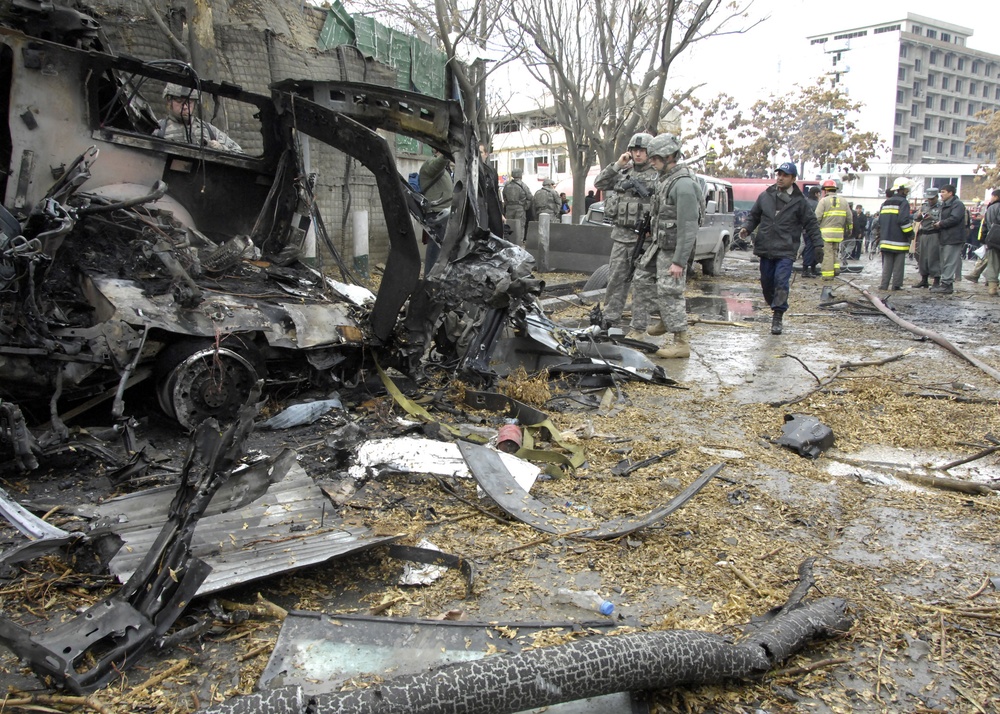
x=427 y=70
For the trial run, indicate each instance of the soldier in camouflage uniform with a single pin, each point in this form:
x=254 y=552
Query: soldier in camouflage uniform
x=629 y=185
x=546 y=200
x=182 y=124
x=676 y=211
x=928 y=248
x=516 y=201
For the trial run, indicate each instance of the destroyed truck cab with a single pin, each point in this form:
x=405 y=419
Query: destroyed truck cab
x=125 y=256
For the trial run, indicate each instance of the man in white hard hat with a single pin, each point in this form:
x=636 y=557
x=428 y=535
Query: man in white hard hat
x=895 y=228
x=182 y=123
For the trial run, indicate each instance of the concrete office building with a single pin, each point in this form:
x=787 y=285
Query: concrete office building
x=921 y=85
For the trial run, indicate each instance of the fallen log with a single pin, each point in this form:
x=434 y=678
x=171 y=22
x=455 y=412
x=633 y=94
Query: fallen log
x=946 y=484
x=584 y=668
x=922 y=332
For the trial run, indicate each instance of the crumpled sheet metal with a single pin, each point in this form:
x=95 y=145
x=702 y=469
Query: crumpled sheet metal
x=492 y=476
x=43 y=537
x=276 y=519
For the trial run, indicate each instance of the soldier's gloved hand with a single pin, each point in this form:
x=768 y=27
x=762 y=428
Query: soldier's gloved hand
x=818 y=253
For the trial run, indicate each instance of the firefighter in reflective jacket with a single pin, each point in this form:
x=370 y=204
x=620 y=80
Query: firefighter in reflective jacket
x=835 y=223
x=895 y=229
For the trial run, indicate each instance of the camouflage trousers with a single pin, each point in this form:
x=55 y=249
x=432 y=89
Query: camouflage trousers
x=654 y=286
x=619 y=284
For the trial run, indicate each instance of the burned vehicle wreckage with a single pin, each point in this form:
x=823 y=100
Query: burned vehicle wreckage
x=129 y=261
x=127 y=257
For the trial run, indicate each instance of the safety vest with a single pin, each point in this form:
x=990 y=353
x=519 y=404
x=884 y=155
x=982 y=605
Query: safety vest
x=894 y=235
x=833 y=219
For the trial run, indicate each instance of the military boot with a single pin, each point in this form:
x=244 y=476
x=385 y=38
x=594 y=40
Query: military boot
x=656 y=329
x=923 y=282
x=776 y=326
x=991 y=289
x=680 y=348
x=936 y=283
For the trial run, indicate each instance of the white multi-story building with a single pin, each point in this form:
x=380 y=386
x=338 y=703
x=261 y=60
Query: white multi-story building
x=920 y=84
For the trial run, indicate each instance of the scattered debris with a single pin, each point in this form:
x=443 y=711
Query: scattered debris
x=805 y=435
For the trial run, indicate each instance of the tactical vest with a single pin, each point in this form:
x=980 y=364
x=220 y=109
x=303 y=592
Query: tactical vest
x=664 y=212
x=624 y=206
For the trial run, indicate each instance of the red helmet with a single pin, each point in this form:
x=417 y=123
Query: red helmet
x=829 y=185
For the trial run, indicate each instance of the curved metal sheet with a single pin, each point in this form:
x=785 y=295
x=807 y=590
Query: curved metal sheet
x=491 y=474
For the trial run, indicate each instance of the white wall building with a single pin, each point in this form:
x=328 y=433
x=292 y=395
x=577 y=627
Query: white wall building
x=921 y=85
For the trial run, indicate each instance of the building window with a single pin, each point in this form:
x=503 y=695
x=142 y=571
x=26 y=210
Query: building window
x=954 y=148
x=934 y=57
x=914 y=110
x=940 y=147
x=954 y=127
x=917 y=87
x=899 y=119
x=931 y=78
x=997 y=93
x=930 y=101
x=899 y=96
x=949 y=61
x=944 y=104
x=986 y=91
x=880 y=30
x=961 y=64
x=971 y=110
x=901 y=74
x=945 y=37
x=916 y=29
x=989 y=70
x=927 y=123
x=849 y=35
x=819 y=41
x=917 y=64
x=976 y=65
x=932 y=34
x=904 y=50
x=958 y=107
x=896 y=141
x=940 y=126
x=926 y=145
x=944 y=82
x=913 y=131
x=958 y=85
x=973 y=88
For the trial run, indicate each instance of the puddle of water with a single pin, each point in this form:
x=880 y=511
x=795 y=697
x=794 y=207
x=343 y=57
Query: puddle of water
x=725 y=306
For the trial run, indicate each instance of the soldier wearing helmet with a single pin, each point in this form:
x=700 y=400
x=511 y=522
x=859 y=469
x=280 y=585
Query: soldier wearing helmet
x=516 y=202
x=183 y=122
x=928 y=246
x=628 y=184
x=835 y=223
x=546 y=199
x=780 y=216
x=676 y=211
x=895 y=227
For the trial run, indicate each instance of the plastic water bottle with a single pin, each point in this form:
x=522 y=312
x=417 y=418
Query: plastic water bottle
x=586 y=599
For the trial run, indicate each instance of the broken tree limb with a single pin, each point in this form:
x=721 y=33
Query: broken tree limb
x=945 y=484
x=584 y=668
x=929 y=334
x=826 y=381
x=979 y=455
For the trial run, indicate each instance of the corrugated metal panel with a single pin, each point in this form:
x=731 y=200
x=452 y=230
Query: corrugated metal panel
x=289 y=526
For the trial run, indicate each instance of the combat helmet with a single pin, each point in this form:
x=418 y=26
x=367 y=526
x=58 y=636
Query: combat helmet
x=640 y=141
x=663 y=145
x=178 y=90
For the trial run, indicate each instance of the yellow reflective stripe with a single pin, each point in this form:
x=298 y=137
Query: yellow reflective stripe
x=890 y=209
x=834 y=213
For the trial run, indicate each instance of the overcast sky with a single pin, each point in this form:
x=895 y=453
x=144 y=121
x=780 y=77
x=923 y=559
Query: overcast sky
x=767 y=59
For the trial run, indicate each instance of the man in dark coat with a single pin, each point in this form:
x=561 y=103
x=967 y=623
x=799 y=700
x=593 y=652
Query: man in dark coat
x=780 y=216
x=951 y=236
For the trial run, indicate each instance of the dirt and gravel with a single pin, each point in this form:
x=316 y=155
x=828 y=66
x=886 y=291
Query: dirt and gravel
x=919 y=565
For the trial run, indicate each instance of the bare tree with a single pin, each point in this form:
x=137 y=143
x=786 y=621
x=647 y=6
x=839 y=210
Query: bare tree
x=985 y=139
x=605 y=64
x=815 y=125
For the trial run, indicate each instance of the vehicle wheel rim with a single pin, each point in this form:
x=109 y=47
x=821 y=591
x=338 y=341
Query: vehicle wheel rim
x=209 y=383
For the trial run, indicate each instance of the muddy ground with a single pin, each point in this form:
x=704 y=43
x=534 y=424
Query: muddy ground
x=915 y=563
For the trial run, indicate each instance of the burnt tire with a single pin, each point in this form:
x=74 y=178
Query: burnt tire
x=197 y=379
x=598 y=280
